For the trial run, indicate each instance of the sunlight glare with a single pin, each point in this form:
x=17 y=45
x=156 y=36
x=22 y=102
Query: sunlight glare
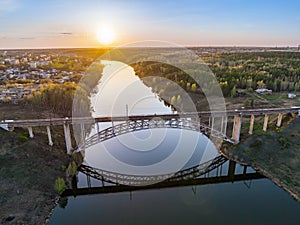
x=105 y=35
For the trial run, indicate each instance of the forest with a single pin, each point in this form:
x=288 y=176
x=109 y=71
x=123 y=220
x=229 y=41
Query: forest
x=278 y=71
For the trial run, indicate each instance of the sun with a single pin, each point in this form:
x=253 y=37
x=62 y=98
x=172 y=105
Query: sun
x=105 y=35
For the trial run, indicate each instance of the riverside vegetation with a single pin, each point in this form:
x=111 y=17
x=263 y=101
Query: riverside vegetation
x=275 y=154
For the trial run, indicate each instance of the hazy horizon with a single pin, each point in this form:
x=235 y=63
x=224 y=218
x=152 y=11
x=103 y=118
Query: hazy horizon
x=28 y=24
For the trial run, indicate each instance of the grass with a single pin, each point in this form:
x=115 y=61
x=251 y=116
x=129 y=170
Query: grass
x=28 y=170
x=276 y=154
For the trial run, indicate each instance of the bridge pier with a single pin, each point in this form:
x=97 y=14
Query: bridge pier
x=236 y=132
x=279 y=120
x=30 y=132
x=49 y=136
x=266 y=119
x=224 y=125
x=251 y=124
x=68 y=138
x=83 y=134
x=212 y=122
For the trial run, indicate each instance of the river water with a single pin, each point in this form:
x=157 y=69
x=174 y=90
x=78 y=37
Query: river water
x=159 y=151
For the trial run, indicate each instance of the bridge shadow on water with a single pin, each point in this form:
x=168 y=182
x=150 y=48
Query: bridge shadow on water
x=218 y=170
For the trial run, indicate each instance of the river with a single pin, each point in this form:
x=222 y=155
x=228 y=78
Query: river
x=159 y=151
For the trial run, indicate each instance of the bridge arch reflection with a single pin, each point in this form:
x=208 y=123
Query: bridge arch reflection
x=111 y=182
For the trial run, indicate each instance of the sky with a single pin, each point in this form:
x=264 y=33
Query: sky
x=74 y=23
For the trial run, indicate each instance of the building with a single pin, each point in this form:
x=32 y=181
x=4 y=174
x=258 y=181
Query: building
x=263 y=91
x=291 y=95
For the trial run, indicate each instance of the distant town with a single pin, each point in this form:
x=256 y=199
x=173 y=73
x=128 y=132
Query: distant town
x=21 y=75
x=23 y=72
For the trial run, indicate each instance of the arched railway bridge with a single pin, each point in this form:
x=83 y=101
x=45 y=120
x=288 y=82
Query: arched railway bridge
x=143 y=124
x=215 y=127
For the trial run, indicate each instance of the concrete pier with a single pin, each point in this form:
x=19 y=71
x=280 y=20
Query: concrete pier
x=50 y=142
x=212 y=122
x=30 y=132
x=225 y=125
x=266 y=119
x=236 y=132
x=279 y=120
x=82 y=127
x=68 y=138
x=222 y=124
x=251 y=124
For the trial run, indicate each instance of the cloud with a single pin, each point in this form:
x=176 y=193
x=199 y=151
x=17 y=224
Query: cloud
x=66 y=33
x=26 y=38
x=8 y=6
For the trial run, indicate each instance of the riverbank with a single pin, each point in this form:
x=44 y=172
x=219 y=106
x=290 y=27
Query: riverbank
x=29 y=168
x=274 y=154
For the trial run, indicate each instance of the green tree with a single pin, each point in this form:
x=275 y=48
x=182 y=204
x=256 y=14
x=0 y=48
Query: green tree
x=60 y=185
x=178 y=99
x=296 y=87
x=233 y=92
x=173 y=100
x=194 y=87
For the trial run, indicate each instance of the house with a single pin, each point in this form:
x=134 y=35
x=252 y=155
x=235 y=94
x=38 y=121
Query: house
x=21 y=76
x=263 y=91
x=33 y=65
x=291 y=95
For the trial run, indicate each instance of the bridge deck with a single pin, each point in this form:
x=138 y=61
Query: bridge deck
x=90 y=120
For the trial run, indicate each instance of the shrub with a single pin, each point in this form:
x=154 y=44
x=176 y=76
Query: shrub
x=283 y=141
x=72 y=169
x=77 y=157
x=23 y=138
x=256 y=143
x=60 y=185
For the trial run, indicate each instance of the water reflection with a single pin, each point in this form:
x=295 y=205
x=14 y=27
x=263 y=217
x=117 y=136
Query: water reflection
x=211 y=172
x=121 y=92
x=244 y=198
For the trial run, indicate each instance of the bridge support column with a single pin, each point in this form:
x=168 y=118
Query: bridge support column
x=98 y=130
x=279 y=120
x=224 y=123
x=83 y=134
x=68 y=138
x=294 y=115
x=266 y=119
x=11 y=128
x=236 y=132
x=251 y=124
x=49 y=136
x=30 y=132
x=212 y=122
